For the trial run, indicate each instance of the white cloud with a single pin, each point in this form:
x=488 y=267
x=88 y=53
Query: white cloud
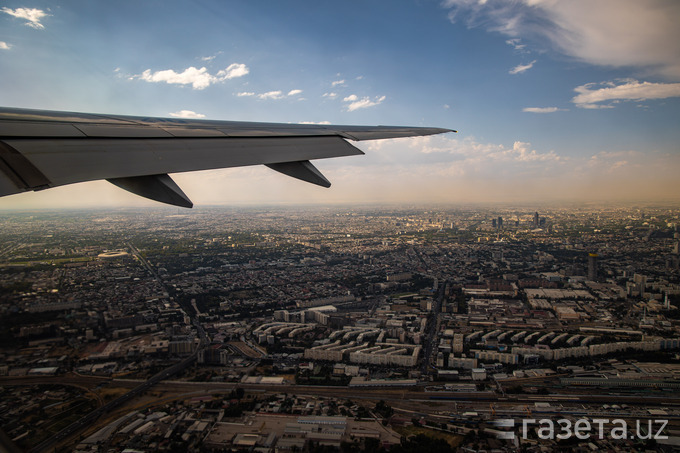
x=338 y=82
x=620 y=33
x=187 y=114
x=233 y=71
x=469 y=152
x=516 y=43
x=449 y=168
x=211 y=57
x=199 y=79
x=355 y=103
x=330 y=95
x=522 y=68
x=590 y=96
x=275 y=94
x=31 y=15
x=542 y=109
x=521 y=152
x=4 y=45
x=615 y=161
x=271 y=95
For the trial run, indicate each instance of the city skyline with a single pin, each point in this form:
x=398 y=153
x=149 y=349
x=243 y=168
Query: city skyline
x=553 y=101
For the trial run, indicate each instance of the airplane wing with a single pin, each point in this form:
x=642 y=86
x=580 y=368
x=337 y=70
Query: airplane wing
x=41 y=149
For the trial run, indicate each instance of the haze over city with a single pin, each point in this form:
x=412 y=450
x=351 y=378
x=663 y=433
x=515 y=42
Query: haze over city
x=554 y=101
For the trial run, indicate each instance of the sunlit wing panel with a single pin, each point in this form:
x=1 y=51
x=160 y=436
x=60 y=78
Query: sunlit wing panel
x=42 y=149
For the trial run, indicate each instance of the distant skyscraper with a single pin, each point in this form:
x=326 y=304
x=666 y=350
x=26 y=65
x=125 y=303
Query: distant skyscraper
x=536 y=220
x=641 y=281
x=494 y=224
x=500 y=222
x=592 y=267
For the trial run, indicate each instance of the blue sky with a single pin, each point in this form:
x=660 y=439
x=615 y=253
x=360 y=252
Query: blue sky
x=554 y=100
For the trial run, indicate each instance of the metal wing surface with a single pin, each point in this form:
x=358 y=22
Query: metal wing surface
x=42 y=149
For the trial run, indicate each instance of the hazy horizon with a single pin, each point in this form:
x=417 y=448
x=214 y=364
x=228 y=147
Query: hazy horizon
x=530 y=206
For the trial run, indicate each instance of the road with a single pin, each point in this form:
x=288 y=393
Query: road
x=431 y=330
x=402 y=393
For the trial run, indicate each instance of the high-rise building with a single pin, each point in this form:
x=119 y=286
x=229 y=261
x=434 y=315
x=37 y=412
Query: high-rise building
x=536 y=219
x=641 y=281
x=592 y=266
x=500 y=222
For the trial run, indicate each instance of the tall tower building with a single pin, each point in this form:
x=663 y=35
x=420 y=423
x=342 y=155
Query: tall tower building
x=500 y=222
x=641 y=281
x=592 y=267
x=536 y=220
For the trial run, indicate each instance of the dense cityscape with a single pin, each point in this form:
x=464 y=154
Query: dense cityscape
x=316 y=328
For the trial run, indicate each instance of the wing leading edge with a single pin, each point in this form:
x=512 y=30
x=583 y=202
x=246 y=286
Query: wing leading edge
x=42 y=149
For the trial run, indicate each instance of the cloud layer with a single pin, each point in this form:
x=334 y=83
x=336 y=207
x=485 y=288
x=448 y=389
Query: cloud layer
x=448 y=169
x=590 y=96
x=620 y=33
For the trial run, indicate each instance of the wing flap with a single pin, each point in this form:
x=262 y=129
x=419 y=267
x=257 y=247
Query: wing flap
x=115 y=131
x=188 y=132
x=20 y=171
x=39 y=129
